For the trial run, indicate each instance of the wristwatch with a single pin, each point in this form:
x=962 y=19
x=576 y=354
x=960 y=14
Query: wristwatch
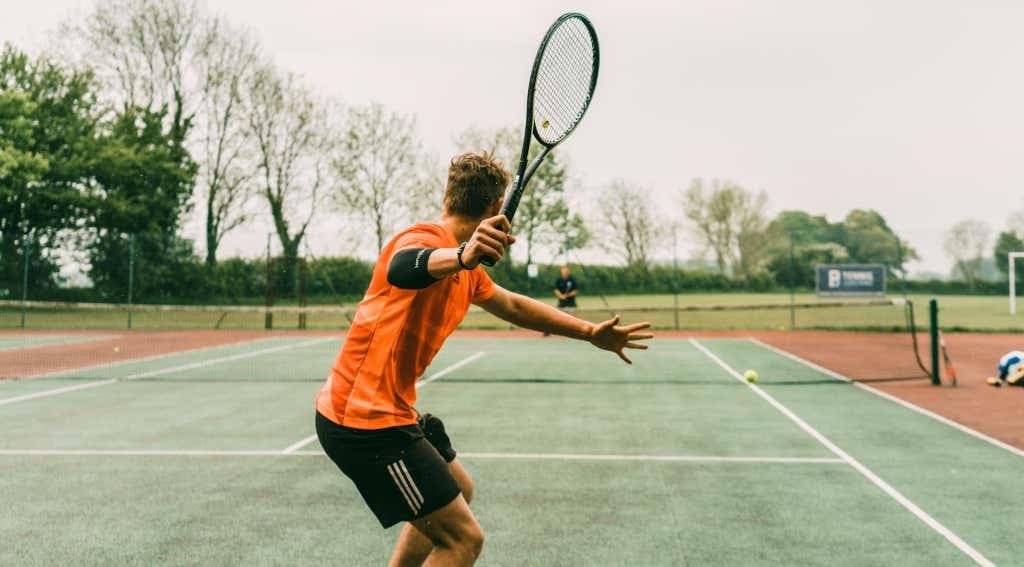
x=458 y=255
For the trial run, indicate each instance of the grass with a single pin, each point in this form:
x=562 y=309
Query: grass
x=958 y=313
x=545 y=509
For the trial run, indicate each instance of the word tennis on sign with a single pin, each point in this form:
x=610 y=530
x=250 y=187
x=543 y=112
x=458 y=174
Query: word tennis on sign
x=850 y=279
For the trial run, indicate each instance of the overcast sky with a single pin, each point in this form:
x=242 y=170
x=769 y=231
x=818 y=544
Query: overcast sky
x=915 y=109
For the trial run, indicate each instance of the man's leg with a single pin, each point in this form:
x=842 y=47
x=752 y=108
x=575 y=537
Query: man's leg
x=413 y=545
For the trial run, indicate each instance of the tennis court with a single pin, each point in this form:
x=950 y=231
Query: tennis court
x=206 y=457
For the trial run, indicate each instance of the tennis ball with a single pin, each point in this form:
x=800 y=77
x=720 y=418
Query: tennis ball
x=117 y=349
x=750 y=375
x=545 y=124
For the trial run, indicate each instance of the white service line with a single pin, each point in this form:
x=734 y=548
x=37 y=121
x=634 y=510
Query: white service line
x=291 y=449
x=913 y=407
x=161 y=371
x=506 y=456
x=866 y=472
x=648 y=458
x=298 y=445
x=450 y=369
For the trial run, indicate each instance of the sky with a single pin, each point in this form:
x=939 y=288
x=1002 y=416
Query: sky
x=912 y=108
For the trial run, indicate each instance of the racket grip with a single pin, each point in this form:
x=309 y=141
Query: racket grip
x=487 y=261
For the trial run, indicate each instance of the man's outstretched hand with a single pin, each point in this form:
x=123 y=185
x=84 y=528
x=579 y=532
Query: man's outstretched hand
x=609 y=336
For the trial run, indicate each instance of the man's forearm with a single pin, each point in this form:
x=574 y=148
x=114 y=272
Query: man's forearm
x=537 y=316
x=443 y=262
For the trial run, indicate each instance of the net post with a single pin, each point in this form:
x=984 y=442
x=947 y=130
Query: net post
x=933 y=316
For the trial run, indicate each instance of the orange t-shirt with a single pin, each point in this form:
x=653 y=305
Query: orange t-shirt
x=394 y=336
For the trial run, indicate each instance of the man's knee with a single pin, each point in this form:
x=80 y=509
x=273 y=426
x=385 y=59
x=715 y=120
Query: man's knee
x=466 y=539
x=454 y=528
x=475 y=540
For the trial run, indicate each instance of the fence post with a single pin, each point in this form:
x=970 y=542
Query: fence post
x=302 y=292
x=933 y=312
x=675 y=280
x=27 y=252
x=792 y=286
x=131 y=276
x=268 y=317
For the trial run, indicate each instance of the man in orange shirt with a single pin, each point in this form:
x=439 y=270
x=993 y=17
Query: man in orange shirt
x=426 y=278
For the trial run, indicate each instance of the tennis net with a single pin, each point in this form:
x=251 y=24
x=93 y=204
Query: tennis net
x=74 y=341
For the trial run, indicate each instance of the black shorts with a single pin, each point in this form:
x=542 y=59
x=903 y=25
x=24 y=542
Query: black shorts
x=399 y=473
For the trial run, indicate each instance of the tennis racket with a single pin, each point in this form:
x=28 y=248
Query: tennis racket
x=562 y=85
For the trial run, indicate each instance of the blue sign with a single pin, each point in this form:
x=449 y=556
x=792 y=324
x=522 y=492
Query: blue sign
x=851 y=279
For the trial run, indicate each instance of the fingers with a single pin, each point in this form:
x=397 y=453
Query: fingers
x=640 y=346
x=482 y=250
x=500 y=236
x=605 y=325
x=639 y=336
x=624 y=358
x=495 y=243
x=637 y=327
x=499 y=222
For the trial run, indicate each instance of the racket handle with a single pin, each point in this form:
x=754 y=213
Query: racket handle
x=487 y=261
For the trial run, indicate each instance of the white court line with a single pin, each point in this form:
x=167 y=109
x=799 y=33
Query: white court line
x=507 y=456
x=866 y=472
x=956 y=425
x=298 y=445
x=160 y=372
x=450 y=369
x=662 y=458
x=444 y=371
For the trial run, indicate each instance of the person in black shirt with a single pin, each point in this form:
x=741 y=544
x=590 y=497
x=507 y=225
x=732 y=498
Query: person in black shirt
x=566 y=289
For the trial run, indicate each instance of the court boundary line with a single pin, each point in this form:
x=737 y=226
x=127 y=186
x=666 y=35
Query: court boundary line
x=159 y=372
x=57 y=373
x=443 y=372
x=725 y=459
x=908 y=405
x=887 y=488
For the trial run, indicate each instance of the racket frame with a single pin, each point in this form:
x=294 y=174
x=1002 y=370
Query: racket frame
x=523 y=173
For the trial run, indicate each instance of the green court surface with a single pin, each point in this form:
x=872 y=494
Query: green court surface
x=206 y=458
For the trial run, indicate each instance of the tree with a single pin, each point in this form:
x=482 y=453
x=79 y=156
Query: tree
x=868 y=238
x=377 y=166
x=145 y=52
x=732 y=222
x=226 y=62
x=1009 y=241
x=631 y=222
x=146 y=182
x=294 y=140
x=965 y=243
x=544 y=214
x=49 y=125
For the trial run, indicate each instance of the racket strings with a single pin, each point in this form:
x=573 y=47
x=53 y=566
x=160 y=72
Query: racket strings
x=564 y=82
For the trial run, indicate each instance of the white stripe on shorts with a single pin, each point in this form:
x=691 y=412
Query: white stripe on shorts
x=408 y=477
x=401 y=488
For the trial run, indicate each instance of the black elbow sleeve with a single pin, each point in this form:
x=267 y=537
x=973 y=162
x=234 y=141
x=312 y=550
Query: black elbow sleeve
x=408 y=268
